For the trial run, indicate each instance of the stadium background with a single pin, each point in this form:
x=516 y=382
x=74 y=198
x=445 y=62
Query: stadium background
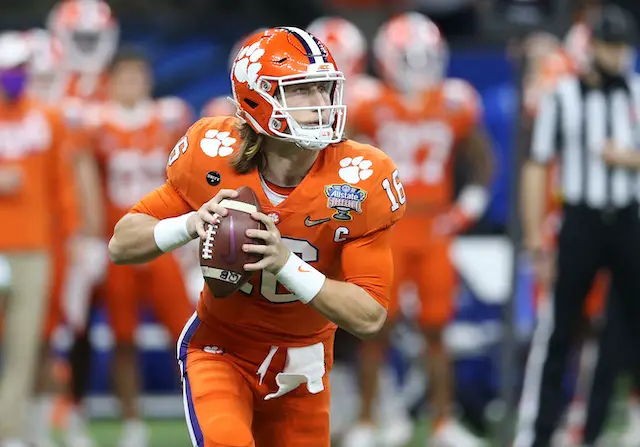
x=189 y=43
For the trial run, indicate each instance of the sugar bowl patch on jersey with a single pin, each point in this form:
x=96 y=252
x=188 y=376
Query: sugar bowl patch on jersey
x=367 y=190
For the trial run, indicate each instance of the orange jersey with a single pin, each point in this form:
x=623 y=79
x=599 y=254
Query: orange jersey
x=131 y=148
x=420 y=136
x=33 y=144
x=87 y=87
x=337 y=220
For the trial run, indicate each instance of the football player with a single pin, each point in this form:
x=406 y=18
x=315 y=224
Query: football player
x=34 y=164
x=255 y=365
x=87 y=34
x=425 y=122
x=47 y=84
x=128 y=135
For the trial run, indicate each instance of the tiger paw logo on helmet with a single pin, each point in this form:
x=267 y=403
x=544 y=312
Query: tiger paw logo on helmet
x=248 y=66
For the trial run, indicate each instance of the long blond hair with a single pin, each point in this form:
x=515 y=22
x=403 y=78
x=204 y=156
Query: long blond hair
x=248 y=158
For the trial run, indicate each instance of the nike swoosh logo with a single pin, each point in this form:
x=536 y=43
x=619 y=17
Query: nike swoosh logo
x=301 y=270
x=312 y=223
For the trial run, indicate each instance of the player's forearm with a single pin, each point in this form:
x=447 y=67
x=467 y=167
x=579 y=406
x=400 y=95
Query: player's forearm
x=350 y=307
x=133 y=240
x=346 y=304
x=533 y=201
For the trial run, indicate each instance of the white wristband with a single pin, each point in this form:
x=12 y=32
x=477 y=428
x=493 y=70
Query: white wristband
x=473 y=200
x=172 y=233
x=301 y=279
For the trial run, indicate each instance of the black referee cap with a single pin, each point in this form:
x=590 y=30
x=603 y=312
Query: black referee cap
x=614 y=25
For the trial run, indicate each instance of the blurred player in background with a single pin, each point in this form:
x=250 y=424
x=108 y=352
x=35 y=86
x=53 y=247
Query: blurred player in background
x=349 y=47
x=129 y=135
x=425 y=122
x=254 y=365
x=87 y=34
x=34 y=164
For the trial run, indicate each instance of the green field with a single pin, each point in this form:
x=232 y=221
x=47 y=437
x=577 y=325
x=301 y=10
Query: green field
x=173 y=433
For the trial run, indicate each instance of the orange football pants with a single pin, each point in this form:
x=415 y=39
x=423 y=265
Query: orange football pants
x=159 y=283
x=427 y=265
x=225 y=407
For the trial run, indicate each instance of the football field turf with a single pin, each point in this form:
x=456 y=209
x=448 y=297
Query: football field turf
x=173 y=433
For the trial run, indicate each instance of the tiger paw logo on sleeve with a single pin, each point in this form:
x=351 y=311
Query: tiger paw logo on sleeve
x=216 y=143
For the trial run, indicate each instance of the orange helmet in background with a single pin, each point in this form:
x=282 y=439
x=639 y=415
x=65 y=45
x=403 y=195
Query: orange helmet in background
x=411 y=52
x=348 y=44
x=277 y=58
x=88 y=32
x=45 y=65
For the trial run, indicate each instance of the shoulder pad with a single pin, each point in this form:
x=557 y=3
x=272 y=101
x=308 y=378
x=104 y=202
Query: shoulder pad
x=368 y=173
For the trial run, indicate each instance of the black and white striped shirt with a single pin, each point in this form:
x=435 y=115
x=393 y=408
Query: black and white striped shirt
x=575 y=122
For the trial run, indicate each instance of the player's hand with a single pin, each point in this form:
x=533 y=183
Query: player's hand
x=210 y=212
x=543 y=265
x=450 y=223
x=274 y=253
x=11 y=179
x=613 y=156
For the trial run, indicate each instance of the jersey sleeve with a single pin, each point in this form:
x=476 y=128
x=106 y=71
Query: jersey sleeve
x=385 y=195
x=368 y=263
x=163 y=203
x=181 y=193
x=465 y=104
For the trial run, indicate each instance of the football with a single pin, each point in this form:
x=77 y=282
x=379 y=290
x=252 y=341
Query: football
x=221 y=255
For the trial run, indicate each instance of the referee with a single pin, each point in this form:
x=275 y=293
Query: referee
x=589 y=125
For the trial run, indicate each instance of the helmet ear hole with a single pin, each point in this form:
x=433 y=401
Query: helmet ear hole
x=250 y=103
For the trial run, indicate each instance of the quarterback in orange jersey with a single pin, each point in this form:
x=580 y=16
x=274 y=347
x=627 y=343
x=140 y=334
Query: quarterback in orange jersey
x=128 y=135
x=33 y=164
x=425 y=123
x=254 y=365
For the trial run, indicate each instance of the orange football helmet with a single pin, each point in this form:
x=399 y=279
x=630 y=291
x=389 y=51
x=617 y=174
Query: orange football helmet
x=238 y=45
x=410 y=52
x=88 y=32
x=281 y=57
x=45 y=74
x=47 y=53
x=348 y=44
